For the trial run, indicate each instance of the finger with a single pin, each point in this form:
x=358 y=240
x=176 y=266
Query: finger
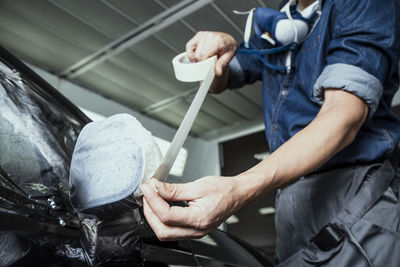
x=205 y=50
x=151 y=196
x=198 y=53
x=178 y=192
x=193 y=44
x=191 y=47
x=173 y=216
x=222 y=63
x=169 y=233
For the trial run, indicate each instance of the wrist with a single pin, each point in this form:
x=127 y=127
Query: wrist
x=250 y=185
x=220 y=83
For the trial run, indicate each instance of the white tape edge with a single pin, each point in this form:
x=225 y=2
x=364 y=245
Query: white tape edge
x=187 y=71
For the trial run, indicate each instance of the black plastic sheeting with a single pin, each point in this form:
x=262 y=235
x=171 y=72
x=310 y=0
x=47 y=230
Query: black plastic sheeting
x=38 y=131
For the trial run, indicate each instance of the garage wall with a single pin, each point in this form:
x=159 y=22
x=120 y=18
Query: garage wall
x=203 y=156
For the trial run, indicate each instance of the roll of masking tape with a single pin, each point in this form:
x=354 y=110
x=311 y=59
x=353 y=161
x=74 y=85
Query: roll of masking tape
x=187 y=71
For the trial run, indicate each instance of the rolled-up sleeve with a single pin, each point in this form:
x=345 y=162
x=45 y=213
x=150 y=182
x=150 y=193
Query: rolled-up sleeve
x=244 y=68
x=351 y=79
x=360 y=51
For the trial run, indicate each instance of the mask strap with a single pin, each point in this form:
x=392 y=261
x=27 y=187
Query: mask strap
x=319 y=9
x=249 y=25
x=261 y=53
x=296 y=38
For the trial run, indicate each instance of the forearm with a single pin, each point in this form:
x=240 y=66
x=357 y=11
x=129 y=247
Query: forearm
x=331 y=131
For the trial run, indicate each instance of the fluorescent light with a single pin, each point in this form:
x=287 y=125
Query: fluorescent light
x=208 y=240
x=180 y=162
x=267 y=211
x=233 y=219
x=261 y=156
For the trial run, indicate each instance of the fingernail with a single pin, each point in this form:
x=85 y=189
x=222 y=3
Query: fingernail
x=144 y=189
x=218 y=71
x=154 y=183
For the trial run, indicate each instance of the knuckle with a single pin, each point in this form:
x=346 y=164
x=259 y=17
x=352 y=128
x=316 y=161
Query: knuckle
x=198 y=34
x=164 y=218
x=162 y=237
x=202 y=55
x=157 y=233
x=204 y=224
x=172 y=191
x=197 y=223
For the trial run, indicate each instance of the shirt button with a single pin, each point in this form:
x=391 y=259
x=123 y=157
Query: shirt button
x=274 y=127
x=285 y=92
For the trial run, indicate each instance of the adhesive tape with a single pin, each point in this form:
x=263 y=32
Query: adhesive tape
x=187 y=71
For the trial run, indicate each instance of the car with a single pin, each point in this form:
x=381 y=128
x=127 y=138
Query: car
x=39 y=226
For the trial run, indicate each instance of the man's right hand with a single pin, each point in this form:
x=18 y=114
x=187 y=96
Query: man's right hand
x=207 y=44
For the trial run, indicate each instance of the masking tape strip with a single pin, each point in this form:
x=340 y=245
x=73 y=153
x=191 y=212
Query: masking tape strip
x=190 y=72
x=187 y=71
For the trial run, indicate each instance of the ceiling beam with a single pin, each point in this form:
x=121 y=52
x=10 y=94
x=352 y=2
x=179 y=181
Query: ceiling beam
x=227 y=19
x=261 y=3
x=157 y=23
x=163 y=104
x=127 y=17
x=183 y=21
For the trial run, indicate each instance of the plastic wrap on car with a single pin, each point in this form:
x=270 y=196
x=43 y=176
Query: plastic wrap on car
x=37 y=137
x=38 y=131
x=113 y=242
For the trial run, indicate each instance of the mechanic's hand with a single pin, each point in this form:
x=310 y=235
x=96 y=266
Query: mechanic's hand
x=211 y=200
x=207 y=44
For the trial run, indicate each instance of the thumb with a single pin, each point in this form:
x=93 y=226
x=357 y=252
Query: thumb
x=176 y=192
x=222 y=62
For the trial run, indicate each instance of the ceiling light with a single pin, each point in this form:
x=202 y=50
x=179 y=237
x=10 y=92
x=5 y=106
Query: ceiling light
x=208 y=240
x=233 y=219
x=267 y=211
x=261 y=156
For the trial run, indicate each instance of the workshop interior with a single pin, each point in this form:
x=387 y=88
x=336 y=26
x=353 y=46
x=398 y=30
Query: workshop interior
x=65 y=64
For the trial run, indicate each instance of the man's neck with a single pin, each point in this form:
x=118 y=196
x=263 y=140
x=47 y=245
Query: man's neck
x=305 y=3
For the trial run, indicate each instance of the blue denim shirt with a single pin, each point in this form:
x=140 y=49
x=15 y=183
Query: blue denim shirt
x=354 y=46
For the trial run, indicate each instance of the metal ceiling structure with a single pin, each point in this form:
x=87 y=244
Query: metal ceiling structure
x=122 y=49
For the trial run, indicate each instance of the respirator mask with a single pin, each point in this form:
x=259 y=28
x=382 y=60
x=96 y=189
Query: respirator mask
x=279 y=31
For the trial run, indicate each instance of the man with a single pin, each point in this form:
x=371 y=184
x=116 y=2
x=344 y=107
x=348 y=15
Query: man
x=330 y=128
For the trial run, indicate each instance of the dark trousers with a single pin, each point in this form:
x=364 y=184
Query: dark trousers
x=360 y=206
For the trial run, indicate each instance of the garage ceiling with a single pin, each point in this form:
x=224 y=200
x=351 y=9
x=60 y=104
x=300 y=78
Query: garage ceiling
x=122 y=49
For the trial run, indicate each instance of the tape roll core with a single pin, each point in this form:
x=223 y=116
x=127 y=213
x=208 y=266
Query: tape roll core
x=187 y=71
